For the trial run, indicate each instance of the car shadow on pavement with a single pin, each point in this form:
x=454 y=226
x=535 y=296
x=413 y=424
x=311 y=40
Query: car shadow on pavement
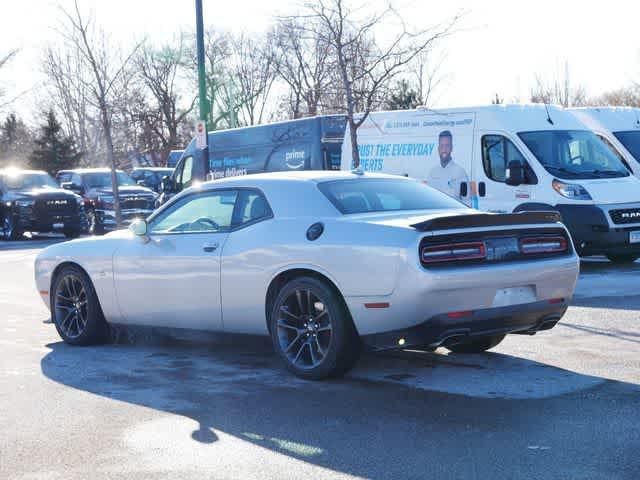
x=373 y=423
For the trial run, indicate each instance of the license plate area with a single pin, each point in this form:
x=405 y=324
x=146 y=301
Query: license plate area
x=634 y=237
x=58 y=226
x=514 y=296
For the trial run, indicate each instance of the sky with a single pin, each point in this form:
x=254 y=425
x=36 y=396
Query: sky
x=499 y=47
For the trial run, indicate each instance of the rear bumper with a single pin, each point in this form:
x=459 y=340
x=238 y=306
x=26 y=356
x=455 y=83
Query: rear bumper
x=594 y=233
x=438 y=330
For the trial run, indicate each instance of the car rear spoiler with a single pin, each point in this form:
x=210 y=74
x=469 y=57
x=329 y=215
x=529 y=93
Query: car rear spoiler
x=488 y=220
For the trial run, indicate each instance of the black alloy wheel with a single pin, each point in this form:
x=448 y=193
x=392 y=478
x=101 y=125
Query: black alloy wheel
x=9 y=229
x=312 y=331
x=75 y=308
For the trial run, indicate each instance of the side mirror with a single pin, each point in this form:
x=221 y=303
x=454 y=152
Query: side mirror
x=167 y=184
x=139 y=228
x=514 y=173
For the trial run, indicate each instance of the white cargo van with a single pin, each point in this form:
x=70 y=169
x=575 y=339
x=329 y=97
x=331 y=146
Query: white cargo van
x=619 y=127
x=511 y=158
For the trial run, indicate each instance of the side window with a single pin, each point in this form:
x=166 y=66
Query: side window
x=137 y=175
x=615 y=151
x=206 y=212
x=497 y=152
x=252 y=206
x=63 y=177
x=75 y=179
x=187 y=171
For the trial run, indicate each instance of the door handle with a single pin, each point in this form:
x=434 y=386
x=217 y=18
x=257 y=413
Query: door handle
x=210 y=247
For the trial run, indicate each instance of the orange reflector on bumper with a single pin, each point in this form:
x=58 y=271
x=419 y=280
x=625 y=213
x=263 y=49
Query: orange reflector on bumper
x=466 y=313
x=44 y=292
x=376 y=305
x=556 y=300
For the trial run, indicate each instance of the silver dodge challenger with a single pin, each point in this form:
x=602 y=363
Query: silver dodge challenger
x=326 y=263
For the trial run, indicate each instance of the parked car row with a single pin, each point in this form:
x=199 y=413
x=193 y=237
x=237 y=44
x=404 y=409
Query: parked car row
x=77 y=201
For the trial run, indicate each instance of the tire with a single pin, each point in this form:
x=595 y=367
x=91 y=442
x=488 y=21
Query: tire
x=622 y=259
x=9 y=230
x=477 y=345
x=94 y=228
x=328 y=347
x=75 y=309
x=72 y=233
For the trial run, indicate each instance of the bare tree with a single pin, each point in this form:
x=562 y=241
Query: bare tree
x=110 y=77
x=559 y=90
x=4 y=60
x=161 y=71
x=622 y=97
x=426 y=71
x=364 y=64
x=67 y=86
x=303 y=61
x=253 y=74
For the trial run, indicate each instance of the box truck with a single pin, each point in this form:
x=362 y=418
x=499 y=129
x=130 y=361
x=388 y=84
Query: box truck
x=512 y=158
x=312 y=143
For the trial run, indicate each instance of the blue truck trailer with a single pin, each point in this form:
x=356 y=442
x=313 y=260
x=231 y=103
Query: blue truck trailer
x=312 y=143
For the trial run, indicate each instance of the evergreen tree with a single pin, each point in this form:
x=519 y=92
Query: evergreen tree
x=53 y=150
x=15 y=142
x=403 y=97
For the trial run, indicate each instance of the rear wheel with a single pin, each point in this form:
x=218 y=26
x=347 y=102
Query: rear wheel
x=75 y=309
x=72 y=233
x=94 y=227
x=476 y=345
x=312 y=330
x=623 y=258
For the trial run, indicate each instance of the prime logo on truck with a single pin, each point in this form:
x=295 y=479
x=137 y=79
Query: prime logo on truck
x=512 y=158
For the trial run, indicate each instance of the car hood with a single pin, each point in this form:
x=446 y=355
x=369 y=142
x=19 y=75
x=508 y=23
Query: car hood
x=612 y=190
x=124 y=190
x=36 y=193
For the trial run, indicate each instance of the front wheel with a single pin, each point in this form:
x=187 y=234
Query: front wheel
x=94 y=227
x=9 y=229
x=312 y=330
x=476 y=345
x=75 y=309
x=72 y=233
x=620 y=259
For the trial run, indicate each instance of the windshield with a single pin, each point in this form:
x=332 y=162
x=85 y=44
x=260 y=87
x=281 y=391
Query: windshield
x=574 y=154
x=28 y=181
x=385 y=195
x=631 y=141
x=103 y=179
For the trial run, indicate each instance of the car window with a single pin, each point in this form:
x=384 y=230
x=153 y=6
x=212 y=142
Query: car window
x=63 y=177
x=187 y=172
x=615 y=151
x=198 y=213
x=497 y=152
x=252 y=206
x=75 y=179
x=384 y=195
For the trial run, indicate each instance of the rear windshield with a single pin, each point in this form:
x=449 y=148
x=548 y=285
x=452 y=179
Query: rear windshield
x=631 y=141
x=385 y=195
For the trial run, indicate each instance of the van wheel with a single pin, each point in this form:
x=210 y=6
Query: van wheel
x=477 y=345
x=620 y=259
x=75 y=309
x=312 y=330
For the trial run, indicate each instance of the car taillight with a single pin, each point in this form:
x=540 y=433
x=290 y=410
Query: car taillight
x=538 y=245
x=454 y=252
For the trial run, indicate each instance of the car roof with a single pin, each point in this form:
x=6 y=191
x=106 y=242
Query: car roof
x=316 y=176
x=89 y=170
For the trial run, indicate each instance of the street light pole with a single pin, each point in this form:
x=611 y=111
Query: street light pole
x=202 y=81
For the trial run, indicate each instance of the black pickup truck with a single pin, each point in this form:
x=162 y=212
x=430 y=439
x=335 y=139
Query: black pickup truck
x=32 y=201
x=94 y=185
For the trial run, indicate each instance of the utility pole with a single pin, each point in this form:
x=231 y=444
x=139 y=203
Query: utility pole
x=202 y=81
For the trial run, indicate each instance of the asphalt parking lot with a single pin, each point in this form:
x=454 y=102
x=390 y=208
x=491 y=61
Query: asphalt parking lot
x=562 y=404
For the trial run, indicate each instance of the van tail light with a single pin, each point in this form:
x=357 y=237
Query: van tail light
x=543 y=245
x=454 y=252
